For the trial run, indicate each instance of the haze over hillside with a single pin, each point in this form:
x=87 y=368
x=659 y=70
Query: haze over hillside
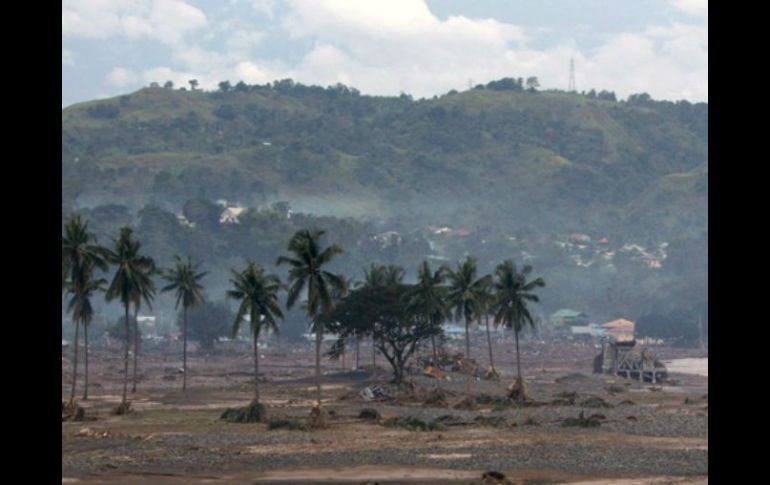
x=514 y=170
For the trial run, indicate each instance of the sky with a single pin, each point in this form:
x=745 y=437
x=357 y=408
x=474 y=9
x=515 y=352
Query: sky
x=386 y=47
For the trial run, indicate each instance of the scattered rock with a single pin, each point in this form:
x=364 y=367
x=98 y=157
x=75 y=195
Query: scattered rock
x=530 y=421
x=631 y=418
x=626 y=402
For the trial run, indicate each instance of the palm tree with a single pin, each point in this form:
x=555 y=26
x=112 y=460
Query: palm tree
x=131 y=282
x=257 y=293
x=466 y=294
x=145 y=290
x=488 y=299
x=184 y=278
x=82 y=307
x=80 y=254
x=307 y=262
x=427 y=299
x=513 y=291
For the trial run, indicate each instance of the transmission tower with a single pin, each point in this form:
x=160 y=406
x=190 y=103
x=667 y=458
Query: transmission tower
x=571 y=88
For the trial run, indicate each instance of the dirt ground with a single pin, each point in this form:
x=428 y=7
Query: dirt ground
x=646 y=434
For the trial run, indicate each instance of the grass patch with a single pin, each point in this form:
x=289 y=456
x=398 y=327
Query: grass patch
x=286 y=424
x=413 y=424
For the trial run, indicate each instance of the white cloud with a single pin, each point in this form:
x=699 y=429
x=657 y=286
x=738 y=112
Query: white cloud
x=167 y=21
x=67 y=58
x=121 y=77
x=399 y=45
x=386 y=47
x=693 y=7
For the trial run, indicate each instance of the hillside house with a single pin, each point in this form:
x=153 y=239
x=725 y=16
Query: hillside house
x=230 y=214
x=569 y=317
x=620 y=330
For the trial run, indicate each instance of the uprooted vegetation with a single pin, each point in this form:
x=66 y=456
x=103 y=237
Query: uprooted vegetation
x=282 y=423
x=253 y=413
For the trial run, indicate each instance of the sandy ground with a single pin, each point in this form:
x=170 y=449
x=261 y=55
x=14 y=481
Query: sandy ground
x=698 y=367
x=649 y=435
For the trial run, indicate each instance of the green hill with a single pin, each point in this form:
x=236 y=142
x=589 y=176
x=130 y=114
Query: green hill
x=548 y=161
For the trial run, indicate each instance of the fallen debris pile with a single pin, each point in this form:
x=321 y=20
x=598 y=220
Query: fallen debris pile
x=467 y=403
x=465 y=365
x=375 y=393
x=433 y=372
x=437 y=398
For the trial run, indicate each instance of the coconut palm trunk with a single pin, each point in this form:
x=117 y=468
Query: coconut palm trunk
x=467 y=340
x=518 y=359
x=318 y=336
x=75 y=361
x=85 y=362
x=136 y=346
x=256 y=369
x=125 y=359
x=358 y=348
x=433 y=345
x=489 y=341
x=374 y=354
x=184 y=349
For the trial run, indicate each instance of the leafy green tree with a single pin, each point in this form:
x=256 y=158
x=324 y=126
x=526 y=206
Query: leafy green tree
x=258 y=295
x=131 y=282
x=532 y=83
x=398 y=332
x=184 y=279
x=466 y=294
x=80 y=255
x=376 y=276
x=307 y=260
x=513 y=292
